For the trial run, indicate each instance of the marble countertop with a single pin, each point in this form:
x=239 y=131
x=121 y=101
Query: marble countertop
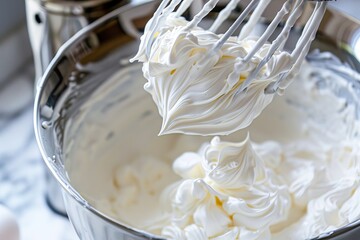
x=22 y=176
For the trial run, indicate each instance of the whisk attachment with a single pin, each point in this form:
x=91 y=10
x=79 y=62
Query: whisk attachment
x=291 y=9
x=209 y=83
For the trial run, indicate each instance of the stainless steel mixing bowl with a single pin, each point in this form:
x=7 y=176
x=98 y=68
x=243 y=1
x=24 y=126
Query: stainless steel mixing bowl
x=92 y=56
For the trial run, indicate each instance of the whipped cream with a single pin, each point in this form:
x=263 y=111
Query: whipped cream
x=250 y=191
x=205 y=83
x=227 y=191
x=195 y=86
x=295 y=176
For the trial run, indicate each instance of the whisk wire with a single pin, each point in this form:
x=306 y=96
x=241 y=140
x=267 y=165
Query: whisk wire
x=254 y=18
x=153 y=25
x=283 y=36
x=292 y=8
x=269 y=31
x=241 y=62
x=315 y=17
x=235 y=25
x=303 y=45
x=183 y=7
x=224 y=14
x=208 y=7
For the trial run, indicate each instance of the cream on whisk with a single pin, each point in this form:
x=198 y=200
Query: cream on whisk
x=191 y=84
x=205 y=83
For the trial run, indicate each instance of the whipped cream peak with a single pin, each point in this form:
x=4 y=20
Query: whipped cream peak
x=226 y=185
x=231 y=165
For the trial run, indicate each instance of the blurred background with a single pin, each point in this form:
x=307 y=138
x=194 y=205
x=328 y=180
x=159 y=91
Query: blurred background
x=22 y=178
x=24 y=208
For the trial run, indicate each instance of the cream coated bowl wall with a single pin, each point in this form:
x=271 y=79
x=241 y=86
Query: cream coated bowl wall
x=81 y=75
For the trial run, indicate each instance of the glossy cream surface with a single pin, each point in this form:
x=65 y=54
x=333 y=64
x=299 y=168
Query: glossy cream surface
x=196 y=88
x=205 y=83
x=292 y=174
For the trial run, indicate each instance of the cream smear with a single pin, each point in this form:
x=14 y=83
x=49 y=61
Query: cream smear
x=292 y=174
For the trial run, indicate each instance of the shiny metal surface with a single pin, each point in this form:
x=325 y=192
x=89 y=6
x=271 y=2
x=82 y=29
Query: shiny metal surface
x=51 y=23
x=89 y=58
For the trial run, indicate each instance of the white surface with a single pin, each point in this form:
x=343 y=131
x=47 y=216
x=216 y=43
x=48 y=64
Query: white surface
x=22 y=178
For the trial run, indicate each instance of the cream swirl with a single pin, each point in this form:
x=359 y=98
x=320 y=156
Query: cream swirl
x=245 y=190
x=227 y=191
x=300 y=179
x=195 y=87
x=325 y=182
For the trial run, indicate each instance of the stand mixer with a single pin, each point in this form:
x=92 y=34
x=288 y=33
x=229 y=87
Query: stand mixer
x=52 y=22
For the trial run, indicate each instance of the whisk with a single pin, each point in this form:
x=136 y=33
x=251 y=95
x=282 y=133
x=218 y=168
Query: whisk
x=289 y=13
